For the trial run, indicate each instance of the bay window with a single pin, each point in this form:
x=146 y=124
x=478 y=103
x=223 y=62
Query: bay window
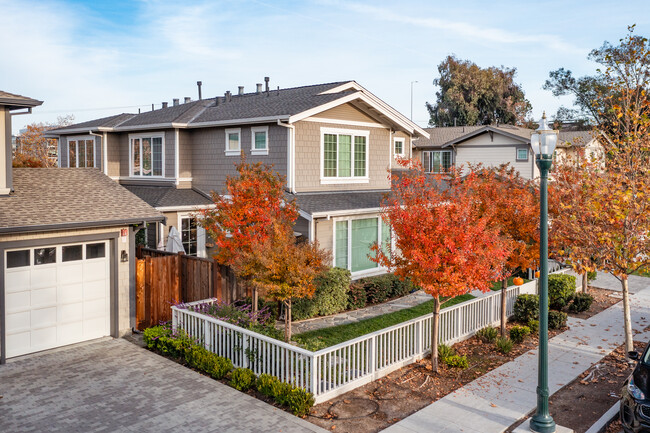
x=436 y=161
x=81 y=152
x=344 y=155
x=146 y=152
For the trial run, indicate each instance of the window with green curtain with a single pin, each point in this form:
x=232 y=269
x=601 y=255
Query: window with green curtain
x=341 y=244
x=385 y=238
x=345 y=155
x=359 y=156
x=260 y=140
x=329 y=160
x=364 y=235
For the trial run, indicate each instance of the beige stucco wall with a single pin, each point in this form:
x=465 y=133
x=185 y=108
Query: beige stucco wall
x=309 y=157
x=123 y=269
x=324 y=229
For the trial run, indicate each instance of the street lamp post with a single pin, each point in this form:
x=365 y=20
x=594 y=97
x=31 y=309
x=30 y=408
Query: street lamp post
x=543 y=141
x=412 y=98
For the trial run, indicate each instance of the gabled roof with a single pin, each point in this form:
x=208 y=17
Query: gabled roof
x=574 y=138
x=58 y=198
x=451 y=135
x=287 y=105
x=15 y=102
x=169 y=196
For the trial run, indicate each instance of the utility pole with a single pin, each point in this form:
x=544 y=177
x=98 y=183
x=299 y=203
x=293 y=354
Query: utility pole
x=412 y=99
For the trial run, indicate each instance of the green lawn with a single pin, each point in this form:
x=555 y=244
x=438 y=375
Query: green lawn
x=326 y=337
x=496 y=286
x=643 y=273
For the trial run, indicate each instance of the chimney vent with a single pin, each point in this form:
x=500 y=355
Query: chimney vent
x=199 y=84
x=176 y=102
x=228 y=96
x=164 y=104
x=266 y=80
x=259 y=88
x=188 y=99
x=241 y=90
x=278 y=92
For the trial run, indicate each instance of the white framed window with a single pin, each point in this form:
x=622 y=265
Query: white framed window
x=353 y=237
x=399 y=146
x=147 y=155
x=233 y=142
x=81 y=152
x=436 y=161
x=522 y=154
x=192 y=235
x=344 y=156
x=260 y=140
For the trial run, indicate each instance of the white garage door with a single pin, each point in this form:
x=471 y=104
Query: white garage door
x=56 y=295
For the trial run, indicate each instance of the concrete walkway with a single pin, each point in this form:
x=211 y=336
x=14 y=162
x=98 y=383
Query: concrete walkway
x=498 y=399
x=116 y=386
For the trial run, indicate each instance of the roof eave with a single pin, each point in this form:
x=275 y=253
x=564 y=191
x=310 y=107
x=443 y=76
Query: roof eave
x=87 y=224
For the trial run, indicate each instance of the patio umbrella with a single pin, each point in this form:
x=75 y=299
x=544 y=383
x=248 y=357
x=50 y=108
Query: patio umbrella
x=174 y=243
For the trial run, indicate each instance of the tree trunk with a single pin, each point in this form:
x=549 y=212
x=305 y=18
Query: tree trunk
x=504 y=317
x=254 y=301
x=287 y=321
x=584 y=282
x=434 y=333
x=627 y=320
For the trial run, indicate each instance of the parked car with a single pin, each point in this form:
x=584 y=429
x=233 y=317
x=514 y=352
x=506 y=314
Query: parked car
x=635 y=395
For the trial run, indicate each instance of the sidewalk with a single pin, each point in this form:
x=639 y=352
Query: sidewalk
x=498 y=399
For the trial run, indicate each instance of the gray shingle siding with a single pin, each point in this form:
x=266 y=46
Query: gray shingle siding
x=99 y=163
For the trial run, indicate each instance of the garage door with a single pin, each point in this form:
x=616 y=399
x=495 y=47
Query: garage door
x=56 y=295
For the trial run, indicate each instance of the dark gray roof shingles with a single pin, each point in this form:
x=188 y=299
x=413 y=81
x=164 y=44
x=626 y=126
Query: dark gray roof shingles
x=14 y=101
x=107 y=122
x=69 y=197
x=169 y=196
x=338 y=201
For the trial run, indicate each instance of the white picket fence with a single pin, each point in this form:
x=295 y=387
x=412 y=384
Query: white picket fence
x=337 y=369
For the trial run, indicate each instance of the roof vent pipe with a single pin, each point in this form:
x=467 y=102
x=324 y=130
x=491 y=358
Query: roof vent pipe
x=266 y=80
x=199 y=84
x=278 y=92
x=259 y=88
x=164 y=104
x=176 y=100
x=228 y=96
x=241 y=90
x=188 y=99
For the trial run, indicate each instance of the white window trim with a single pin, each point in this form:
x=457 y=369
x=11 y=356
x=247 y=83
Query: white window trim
x=141 y=136
x=255 y=151
x=76 y=139
x=451 y=160
x=343 y=180
x=366 y=272
x=517 y=159
x=230 y=152
x=399 y=140
x=200 y=232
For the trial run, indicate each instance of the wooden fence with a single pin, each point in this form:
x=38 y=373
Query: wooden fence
x=164 y=278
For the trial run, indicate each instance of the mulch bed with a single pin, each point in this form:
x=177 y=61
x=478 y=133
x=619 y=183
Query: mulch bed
x=377 y=405
x=603 y=299
x=582 y=402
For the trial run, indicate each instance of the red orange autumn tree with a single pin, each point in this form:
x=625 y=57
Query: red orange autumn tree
x=512 y=204
x=34 y=149
x=445 y=243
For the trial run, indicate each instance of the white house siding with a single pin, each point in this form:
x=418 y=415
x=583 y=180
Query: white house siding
x=494 y=152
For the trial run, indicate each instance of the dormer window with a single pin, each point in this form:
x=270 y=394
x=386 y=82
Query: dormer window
x=146 y=155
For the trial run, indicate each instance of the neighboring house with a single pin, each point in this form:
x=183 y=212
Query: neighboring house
x=575 y=145
x=493 y=145
x=67 y=270
x=335 y=144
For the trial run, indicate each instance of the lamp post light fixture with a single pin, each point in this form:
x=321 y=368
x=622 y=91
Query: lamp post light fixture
x=543 y=141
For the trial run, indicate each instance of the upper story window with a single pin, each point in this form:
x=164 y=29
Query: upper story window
x=436 y=161
x=522 y=154
x=260 y=140
x=147 y=155
x=233 y=142
x=399 y=147
x=344 y=155
x=81 y=152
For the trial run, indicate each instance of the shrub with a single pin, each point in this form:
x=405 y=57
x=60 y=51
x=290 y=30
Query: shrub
x=356 y=296
x=487 y=334
x=581 y=302
x=556 y=319
x=281 y=393
x=378 y=289
x=457 y=361
x=151 y=335
x=591 y=275
x=242 y=379
x=526 y=308
x=504 y=345
x=445 y=352
x=300 y=401
x=534 y=326
x=201 y=359
x=561 y=288
x=266 y=384
x=330 y=297
x=401 y=287
x=519 y=333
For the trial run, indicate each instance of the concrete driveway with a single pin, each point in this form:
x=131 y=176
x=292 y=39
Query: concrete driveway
x=113 y=385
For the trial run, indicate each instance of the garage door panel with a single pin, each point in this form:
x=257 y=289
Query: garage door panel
x=94 y=328
x=69 y=333
x=70 y=293
x=43 y=276
x=43 y=297
x=17 y=322
x=94 y=290
x=18 y=280
x=16 y=302
x=18 y=343
x=70 y=313
x=44 y=338
x=95 y=270
x=43 y=317
x=71 y=273
x=94 y=308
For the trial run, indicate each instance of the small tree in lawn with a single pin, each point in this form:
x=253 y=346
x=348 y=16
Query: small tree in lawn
x=445 y=243
x=246 y=216
x=511 y=202
x=288 y=269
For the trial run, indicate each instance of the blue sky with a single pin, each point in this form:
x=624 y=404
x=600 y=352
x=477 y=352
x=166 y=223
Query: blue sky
x=97 y=58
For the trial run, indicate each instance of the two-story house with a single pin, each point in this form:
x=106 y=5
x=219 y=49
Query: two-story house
x=493 y=145
x=335 y=143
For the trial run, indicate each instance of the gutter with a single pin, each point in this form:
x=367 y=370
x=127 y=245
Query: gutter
x=104 y=151
x=89 y=224
x=291 y=155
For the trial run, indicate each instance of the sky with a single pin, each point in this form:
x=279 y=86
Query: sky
x=93 y=59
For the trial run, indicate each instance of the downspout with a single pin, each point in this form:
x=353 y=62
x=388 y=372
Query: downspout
x=291 y=152
x=177 y=152
x=103 y=147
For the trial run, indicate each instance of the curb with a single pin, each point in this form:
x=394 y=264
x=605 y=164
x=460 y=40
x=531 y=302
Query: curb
x=605 y=419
